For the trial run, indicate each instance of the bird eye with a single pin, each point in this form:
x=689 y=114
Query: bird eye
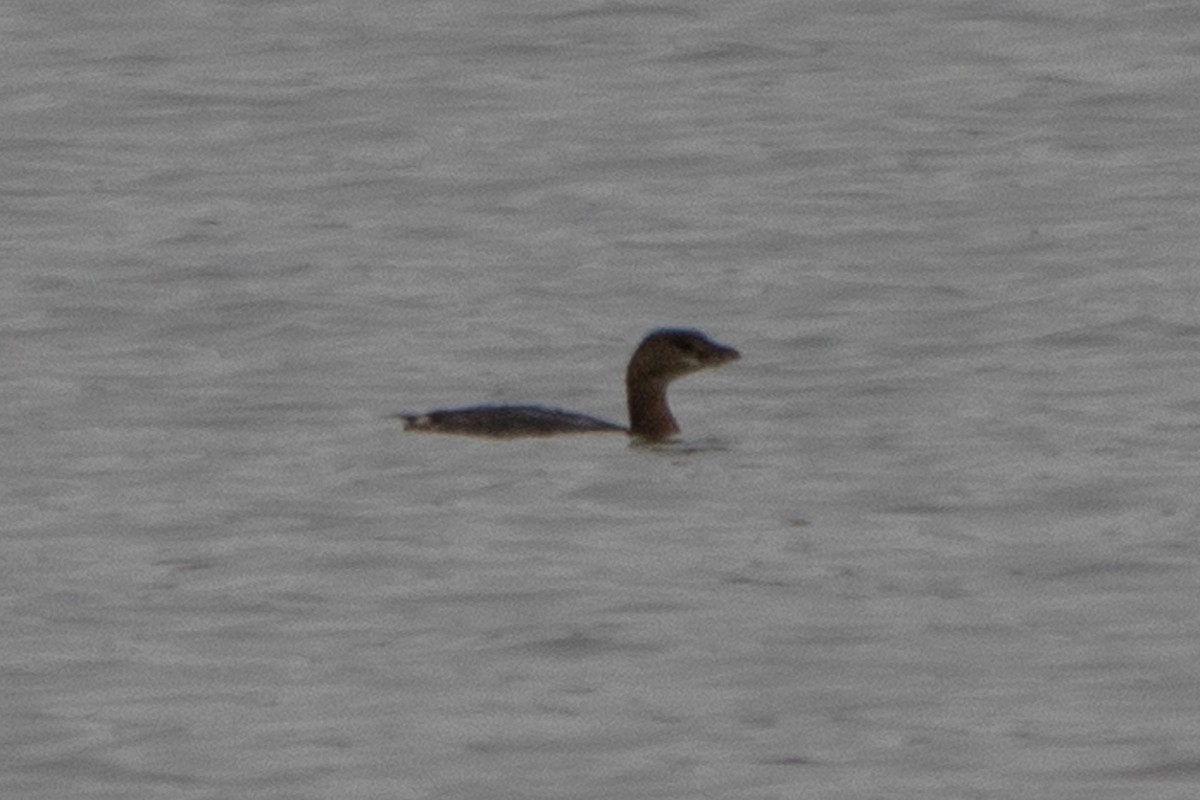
x=686 y=345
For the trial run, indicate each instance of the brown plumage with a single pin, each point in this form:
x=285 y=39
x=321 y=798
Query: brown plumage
x=663 y=356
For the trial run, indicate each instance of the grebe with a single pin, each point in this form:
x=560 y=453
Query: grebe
x=663 y=356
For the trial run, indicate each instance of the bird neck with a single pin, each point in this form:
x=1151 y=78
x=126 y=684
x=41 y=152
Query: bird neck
x=650 y=418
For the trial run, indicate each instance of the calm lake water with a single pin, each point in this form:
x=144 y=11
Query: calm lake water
x=942 y=538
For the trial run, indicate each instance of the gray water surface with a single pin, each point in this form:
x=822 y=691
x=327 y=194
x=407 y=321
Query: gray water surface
x=942 y=540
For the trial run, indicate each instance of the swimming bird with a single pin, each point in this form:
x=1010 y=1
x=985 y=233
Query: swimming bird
x=665 y=355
